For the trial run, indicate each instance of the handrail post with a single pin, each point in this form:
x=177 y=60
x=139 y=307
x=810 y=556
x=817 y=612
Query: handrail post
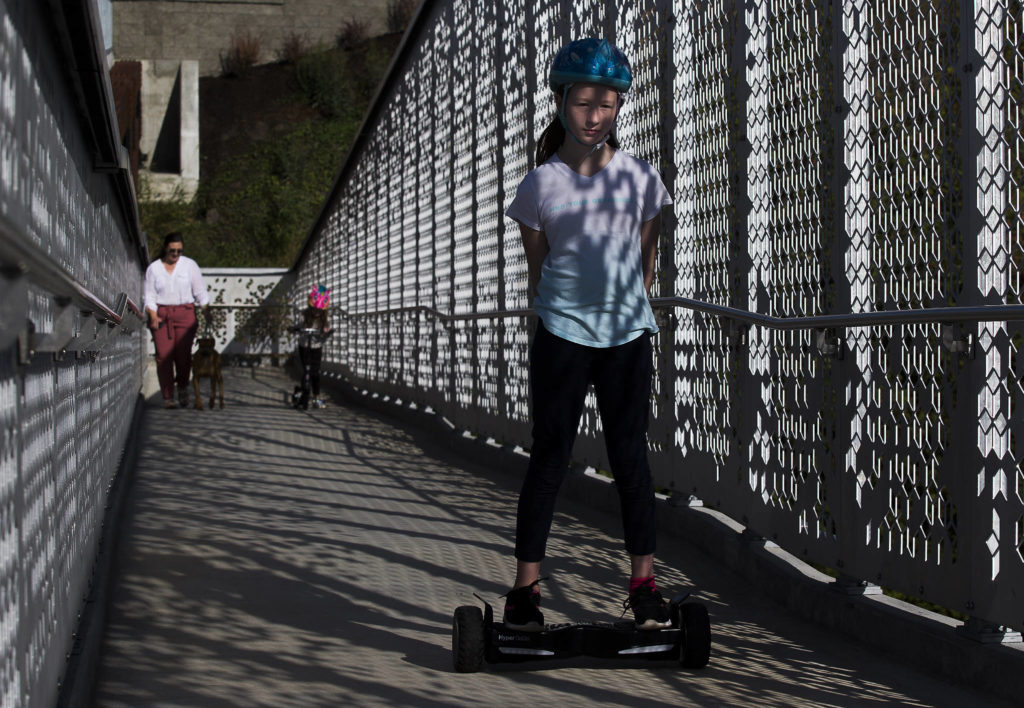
x=985 y=632
x=740 y=427
x=964 y=465
x=849 y=585
x=849 y=270
x=13 y=305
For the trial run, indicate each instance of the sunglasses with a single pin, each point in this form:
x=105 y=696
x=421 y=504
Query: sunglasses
x=173 y=251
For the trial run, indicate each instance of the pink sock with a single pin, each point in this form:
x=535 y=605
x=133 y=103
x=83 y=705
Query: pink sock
x=634 y=583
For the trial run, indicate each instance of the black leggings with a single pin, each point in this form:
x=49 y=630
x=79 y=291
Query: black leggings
x=560 y=372
x=310 y=358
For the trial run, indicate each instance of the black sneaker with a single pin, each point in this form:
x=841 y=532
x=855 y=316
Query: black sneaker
x=522 y=608
x=649 y=608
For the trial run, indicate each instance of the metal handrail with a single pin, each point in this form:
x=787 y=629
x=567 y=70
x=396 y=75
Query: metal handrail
x=134 y=308
x=24 y=259
x=442 y=316
x=938 y=315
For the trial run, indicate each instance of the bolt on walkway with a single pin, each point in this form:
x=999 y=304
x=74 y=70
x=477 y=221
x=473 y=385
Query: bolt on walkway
x=274 y=557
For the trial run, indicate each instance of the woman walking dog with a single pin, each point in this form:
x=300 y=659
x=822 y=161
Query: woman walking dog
x=589 y=216
x=174 y=287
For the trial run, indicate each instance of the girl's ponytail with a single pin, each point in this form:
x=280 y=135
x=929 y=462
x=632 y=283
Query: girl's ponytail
x=549 y=141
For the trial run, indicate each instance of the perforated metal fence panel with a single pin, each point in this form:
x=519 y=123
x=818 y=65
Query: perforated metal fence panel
x=249 y=314
x=823 y=158
x=64 y=415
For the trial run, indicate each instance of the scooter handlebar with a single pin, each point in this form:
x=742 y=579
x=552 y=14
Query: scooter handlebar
x=308 y=333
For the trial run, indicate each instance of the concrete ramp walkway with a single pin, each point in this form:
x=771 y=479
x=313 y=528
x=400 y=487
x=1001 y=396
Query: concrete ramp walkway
x=273 y=557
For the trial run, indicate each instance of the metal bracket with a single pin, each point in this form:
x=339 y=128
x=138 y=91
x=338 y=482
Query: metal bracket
x=955 y=340
x=24 y=338
x=753 y=538
x=88 y=334
x=984 y=632
x=666 y=320
x=65 y=323
x=104 y=335
x=681 y=499
x=829 y=344
x=848 y=585
x=735 y=330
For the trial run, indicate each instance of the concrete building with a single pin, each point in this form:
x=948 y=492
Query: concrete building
x=106 y=13
x=162 y=47
x=201 y=30
x=169 y=140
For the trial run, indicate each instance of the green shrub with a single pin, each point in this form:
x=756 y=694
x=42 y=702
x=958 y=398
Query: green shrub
x=267 y=199
x=295 y=47
x=162 y=217
x=353 y=34
x=327 y=83
x=256 y=208
x=373 y=64
x=243 y=53
x=400 y=12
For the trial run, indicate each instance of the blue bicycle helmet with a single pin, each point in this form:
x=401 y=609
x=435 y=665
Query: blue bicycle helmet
x=593 y=61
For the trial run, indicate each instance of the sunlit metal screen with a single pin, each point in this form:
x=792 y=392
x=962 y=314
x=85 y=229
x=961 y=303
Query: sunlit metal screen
x=63 y=421
x=823 y=158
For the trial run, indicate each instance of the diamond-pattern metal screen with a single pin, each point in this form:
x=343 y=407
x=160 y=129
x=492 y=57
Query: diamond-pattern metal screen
x=824 y=158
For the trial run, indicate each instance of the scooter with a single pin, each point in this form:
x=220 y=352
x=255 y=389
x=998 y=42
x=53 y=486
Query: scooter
x=301 y=394
x=477 y=638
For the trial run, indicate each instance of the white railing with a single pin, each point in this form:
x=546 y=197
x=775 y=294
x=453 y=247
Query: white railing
x=825 y=159
x=250 y=313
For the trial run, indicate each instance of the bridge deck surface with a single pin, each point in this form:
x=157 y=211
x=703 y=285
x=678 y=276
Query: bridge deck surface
x=276 y=557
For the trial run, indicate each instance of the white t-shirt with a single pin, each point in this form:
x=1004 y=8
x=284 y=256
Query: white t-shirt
x=591 y=288
x=184 y=286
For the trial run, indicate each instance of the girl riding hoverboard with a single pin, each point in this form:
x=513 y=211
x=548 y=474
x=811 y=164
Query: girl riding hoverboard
x=589 y=215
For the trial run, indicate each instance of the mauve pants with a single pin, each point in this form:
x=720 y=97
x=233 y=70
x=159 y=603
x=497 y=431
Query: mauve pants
x=173 y=342
x=560 y=372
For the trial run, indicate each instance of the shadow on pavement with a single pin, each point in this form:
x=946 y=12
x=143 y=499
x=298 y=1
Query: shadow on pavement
x=277 y=557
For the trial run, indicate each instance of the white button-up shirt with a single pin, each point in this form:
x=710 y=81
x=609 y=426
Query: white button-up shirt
x=183 y=286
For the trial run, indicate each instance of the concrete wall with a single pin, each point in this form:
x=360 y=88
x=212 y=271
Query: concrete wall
x=202 y=29
x=170 y=123
x=249 y=311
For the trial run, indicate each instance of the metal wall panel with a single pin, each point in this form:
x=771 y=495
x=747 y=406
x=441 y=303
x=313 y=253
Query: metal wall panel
x=64 y=415
x=824 y=157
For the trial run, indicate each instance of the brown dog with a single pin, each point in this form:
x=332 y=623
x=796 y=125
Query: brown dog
x=206 y=363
